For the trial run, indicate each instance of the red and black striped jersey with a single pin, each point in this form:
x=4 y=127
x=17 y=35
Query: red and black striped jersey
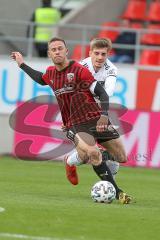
x=71 y=88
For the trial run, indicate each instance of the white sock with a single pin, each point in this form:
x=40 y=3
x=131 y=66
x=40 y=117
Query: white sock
x=74 y=159
x=113 y=166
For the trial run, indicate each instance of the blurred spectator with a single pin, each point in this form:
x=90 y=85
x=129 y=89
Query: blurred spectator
x=126 y=37
x=42 y=34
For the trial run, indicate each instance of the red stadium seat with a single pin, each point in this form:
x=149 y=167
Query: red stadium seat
x=159 y=58
x=135 y=10
x=80 y=52
x=150 y=57
x=108 y=33
x=136 y=25
x=154 y=12
x=151 y=38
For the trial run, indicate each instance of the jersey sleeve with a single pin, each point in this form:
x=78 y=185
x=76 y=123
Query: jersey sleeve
x=45 y=76
x=112 y=72
x=110 y=82
x=87 y=77
x=110 y=85
x=81 y=62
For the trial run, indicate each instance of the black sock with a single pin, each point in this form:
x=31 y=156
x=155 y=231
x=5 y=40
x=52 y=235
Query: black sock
x=105 y=174
x=107 y=156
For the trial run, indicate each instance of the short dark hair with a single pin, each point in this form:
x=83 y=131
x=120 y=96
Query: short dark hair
x=57 y=39
x=101 y=43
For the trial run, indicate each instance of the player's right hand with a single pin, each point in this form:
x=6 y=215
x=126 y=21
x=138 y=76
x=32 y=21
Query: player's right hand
x=102 y=123
x=17 y=56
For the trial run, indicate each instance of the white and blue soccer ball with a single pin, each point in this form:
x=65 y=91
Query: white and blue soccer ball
x=103 y=192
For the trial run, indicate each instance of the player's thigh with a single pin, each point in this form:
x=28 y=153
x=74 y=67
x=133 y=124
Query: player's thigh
x=86 y=146
x=84 y=141
x=116 y=148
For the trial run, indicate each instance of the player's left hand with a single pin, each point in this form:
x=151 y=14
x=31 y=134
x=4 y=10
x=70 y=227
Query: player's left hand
x=102 y=124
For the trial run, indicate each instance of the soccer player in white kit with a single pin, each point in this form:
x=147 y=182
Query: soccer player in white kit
x=105 y=73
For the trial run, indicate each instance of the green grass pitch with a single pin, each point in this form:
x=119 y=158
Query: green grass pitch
x=39 y=201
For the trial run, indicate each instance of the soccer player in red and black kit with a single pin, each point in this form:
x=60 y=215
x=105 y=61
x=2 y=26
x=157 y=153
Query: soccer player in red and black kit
x=74 y=87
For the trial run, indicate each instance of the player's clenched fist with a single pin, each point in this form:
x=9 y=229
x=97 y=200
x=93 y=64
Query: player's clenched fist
x=102 y=124
x=17 y=56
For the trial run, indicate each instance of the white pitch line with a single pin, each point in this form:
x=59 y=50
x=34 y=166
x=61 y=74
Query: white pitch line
x=21 y=236
x=2 y=209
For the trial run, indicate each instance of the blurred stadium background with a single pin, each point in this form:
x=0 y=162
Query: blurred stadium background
x=138 y=89
x=137 y=84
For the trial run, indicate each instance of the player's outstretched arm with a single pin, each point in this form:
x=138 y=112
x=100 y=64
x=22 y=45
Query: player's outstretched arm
x=35 y=75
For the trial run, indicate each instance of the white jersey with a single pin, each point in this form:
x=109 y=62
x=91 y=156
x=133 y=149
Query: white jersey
x=106 y=75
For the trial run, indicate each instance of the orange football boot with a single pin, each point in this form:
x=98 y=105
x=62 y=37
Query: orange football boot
x=71 y=172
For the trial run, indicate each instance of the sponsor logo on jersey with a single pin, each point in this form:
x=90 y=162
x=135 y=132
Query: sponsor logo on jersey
x=65 y=89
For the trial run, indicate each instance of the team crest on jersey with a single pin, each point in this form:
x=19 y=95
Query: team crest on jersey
x=70 y=77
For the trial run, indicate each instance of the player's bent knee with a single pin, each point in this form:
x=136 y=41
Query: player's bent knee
x=85 y=159
x=82 y=155
x=94 y=156
x=123 y=159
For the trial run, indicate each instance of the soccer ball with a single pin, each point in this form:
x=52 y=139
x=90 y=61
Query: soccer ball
x=103 y=192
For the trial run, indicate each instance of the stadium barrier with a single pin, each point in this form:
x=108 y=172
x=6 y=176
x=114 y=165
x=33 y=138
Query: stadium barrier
x=74 y=34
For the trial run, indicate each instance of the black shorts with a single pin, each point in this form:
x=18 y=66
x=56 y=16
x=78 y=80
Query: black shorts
x=90 y=128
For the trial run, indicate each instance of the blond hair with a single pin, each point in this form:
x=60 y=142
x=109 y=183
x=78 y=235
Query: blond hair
x=101 y=43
